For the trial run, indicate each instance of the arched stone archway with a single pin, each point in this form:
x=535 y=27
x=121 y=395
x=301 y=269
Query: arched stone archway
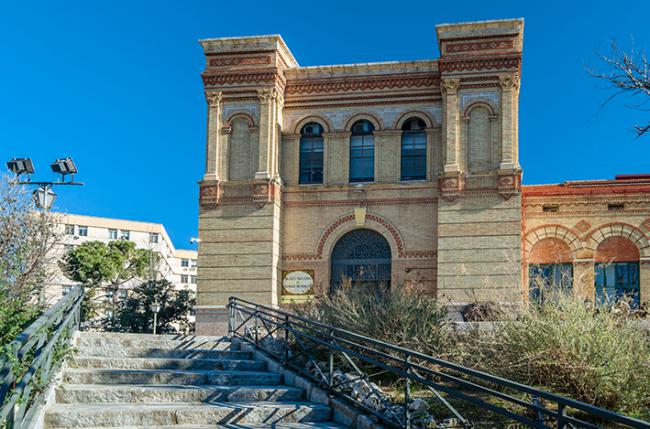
x=363 y=257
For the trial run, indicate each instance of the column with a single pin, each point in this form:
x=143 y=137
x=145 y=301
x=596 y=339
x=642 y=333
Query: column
x=450 y=93
x=509 y=85
x=213 y=149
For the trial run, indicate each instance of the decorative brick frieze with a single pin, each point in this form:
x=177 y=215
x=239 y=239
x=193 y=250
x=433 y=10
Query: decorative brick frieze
x=509 y=184
x=239 y=61
x=210 y=195
x=480 y=63
x=484 y=45
x=451 y=185
x=362 y=83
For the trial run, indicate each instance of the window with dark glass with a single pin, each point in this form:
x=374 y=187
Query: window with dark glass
x=311 y=154
x=362 y=152
x=414 y=150
x=617 y=281
x=549 y=278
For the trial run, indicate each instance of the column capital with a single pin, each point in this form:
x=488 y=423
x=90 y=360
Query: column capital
x=267 y=94
x=449 y=85
x=213 y=98
x=509 y=81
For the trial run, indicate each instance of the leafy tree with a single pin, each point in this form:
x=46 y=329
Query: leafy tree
x=134 y=313
x=97 y=265
x=27 y=237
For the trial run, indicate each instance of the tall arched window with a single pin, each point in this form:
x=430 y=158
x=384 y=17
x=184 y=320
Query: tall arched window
x=362 y=152
x=617 y=271
x=550 y=269
x=414 y=150
x=311 y=154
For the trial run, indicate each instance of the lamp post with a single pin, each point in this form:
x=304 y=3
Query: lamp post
x=43 y=196
x=155 y=307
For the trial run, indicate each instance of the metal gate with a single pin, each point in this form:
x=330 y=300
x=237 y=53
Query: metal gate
x=362 y=256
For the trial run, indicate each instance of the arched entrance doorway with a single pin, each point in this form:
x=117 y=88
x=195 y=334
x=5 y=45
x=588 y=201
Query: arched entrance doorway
x=362 y=256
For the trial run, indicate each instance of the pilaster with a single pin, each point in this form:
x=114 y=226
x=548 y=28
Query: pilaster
x=336 y=157
x=451 y=132
x=509 y=85
x=213 y=147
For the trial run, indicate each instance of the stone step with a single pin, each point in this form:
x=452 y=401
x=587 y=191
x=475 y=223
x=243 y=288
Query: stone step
x=304 y=425
x=76 y=416
x=153 y=352
x=177 y=342
x=127 y=394
x=156 y=376
x=166 y=363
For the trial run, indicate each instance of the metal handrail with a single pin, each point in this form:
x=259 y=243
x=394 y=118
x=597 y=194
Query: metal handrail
x=300 y=337
x=30 y=365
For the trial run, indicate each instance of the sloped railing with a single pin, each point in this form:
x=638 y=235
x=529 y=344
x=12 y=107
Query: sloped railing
x=333 y=358
x=32 y=359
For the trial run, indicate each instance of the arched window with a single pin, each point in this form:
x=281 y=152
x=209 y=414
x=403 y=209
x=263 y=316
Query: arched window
x=414 y=150
x=311 y=154
x=550 y=268
x=362 y=152
x=617 y=271
x=361 y=257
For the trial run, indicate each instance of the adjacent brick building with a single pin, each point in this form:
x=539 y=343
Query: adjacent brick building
x=397 y=172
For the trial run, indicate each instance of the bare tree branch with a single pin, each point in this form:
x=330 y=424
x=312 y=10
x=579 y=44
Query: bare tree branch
x=628 y=74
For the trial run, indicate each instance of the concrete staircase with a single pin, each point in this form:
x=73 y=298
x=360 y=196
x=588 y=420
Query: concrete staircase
x=164 y=381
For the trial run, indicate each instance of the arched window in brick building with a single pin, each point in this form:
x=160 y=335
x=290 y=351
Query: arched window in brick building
x=617 y=271
x=362 y=152
x=414 y=150
x=550 y=268
x=361 y=257
x=311 y=154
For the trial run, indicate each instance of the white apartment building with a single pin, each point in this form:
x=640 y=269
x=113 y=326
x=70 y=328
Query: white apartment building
x=176 y=265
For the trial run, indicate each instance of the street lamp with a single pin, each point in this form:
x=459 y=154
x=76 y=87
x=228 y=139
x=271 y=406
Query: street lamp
x=155 y=307
x=43 y=196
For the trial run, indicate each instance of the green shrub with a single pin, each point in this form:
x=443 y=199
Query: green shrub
x=593 y=353
x=398 y=315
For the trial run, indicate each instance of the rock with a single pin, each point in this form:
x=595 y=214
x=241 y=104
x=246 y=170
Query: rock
x=418 y=405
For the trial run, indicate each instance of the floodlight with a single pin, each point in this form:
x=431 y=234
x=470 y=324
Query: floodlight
x=21 y=166
x=64 y=166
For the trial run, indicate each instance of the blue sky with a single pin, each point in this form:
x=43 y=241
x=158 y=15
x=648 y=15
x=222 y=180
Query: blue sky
x=116 y=86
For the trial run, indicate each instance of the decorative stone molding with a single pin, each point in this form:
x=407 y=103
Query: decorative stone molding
x=509 y=81
x=267 y=94
x=583 y=226
x=449 y=85
x=210 y=195
x=363 y=83
x=213 y=98
x=451 y=185
x=509 y=184
x=229 y=61
x=619 y=229
x=264 y=193
x=459 y=65
x=559 y=232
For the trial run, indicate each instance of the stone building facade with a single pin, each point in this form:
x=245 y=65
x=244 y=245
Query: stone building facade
x=396 y=172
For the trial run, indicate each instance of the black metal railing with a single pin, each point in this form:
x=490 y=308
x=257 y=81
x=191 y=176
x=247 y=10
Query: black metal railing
x=32 y=359
x=322 y=353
